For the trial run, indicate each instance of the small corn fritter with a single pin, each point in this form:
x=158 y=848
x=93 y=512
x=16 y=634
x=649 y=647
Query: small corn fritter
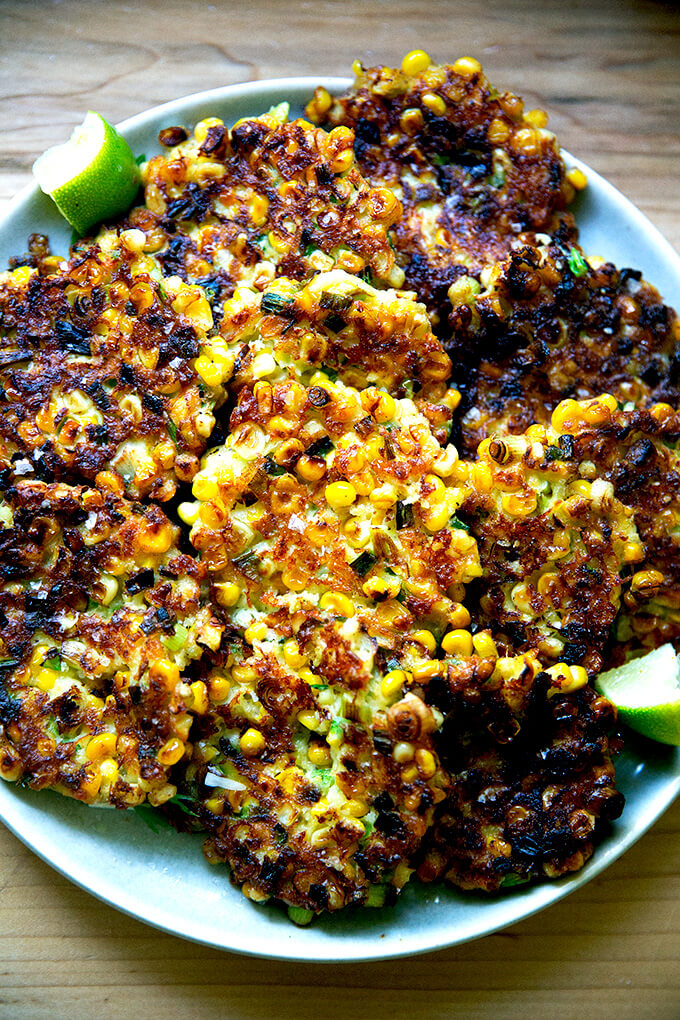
x=96 y=370
x=267 y=198
x=529 y=805
x=471 y=170
x=547 y=324
x=325 y=523
x=100 y=614
x=555 y=542
x=335 y=322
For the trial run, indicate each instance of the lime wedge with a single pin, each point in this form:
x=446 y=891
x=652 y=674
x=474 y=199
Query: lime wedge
x=92 y=177
x=646 y=692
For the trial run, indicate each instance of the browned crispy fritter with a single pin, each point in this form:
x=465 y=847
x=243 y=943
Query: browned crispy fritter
x=473 y=174
x=548 y=325
x=531 y=805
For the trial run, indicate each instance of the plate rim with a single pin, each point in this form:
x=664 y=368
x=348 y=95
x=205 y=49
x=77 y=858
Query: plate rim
x=555 y=891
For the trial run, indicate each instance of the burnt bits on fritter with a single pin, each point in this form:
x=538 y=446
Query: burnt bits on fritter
x=473 y=173
x=548 y=324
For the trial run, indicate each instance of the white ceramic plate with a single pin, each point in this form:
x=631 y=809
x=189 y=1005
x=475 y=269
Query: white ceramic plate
x=163 y=878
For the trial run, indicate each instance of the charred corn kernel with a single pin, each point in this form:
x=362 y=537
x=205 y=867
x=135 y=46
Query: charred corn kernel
x=252 y=742
x=661 y=412
x=403 y=752
x=356 y=808
x=415 y=62
x=111 y=481
x=215 y=805
x=485 y=645
x=467 y=66
x=219 y=688
x=308 y=718
x=498 y=131
x=199 y=697
x=577 y=178
x=546 y=583
x=165 y=671
x=425 y=760
x=384 y=495
x=596 y=413
x=102 y=745
x=292 y=655
x=156 y=540
x=633 y=552
x=108 y=770
x=171 y=751
x=392 y=682
x=90 y=786
x=426 y=639
x=227 y=593
x=434 y=103
x=319 y=755
x=646 y=583
x=256 y=632
x=459 y=616
x=444 y=463
x=427 y=670
x=189 y=512
x=537 y=433
x=337 y=603
x=385 y=408
x=567 y=415
x=409 y=774
x=339 y=494
x=437 y=518
x=311 y=469
x=457 y=642
x=519 y=504
x=45 y=679
x=411 y=121
x=375 y=588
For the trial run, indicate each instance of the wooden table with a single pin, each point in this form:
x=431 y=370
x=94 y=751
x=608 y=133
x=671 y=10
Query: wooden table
x=609 y=74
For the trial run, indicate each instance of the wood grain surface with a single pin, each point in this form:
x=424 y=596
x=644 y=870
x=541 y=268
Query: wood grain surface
x=609 y=75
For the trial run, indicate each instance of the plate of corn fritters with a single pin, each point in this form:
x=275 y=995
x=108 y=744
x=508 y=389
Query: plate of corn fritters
x=331 y=475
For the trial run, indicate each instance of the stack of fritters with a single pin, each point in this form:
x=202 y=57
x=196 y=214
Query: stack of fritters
x=361 y=656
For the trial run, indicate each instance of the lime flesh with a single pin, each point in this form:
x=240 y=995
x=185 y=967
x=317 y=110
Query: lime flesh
x=646 y=692
x=92 y=177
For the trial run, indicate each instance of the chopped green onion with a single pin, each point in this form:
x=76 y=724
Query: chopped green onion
x=577 y=263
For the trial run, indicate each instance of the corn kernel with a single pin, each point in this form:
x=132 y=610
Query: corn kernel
x=227 y=593
x=310 y=469
x=337 y=603
x=292 y=655
x=409 y=774
x=356 y=808
x=188 y=512
x=319 y=755
x=459 y=616
x=384 y=495
x=165 y=671
x=199 y=697
x=537 y=118
x=155 y=540
x=485 y=645
x=457 y=642
x=434 y=103
x=171 y=751
x=577 y=178
x=519 y=504
x=339 y=494
x=256 y=632
x=498 y=131
x=425 y=760
x=45 y=679
x=403 y=752
x=219 y=688
x=108 y=770
x=308 y=718
x=467 y=66
x=102 y=745
x=215 y=805
x=437 y=517
x=633 y=552
x=415 y=62
x=252 y=742
x=427 y=670
x=426 y=639
x=392 y=682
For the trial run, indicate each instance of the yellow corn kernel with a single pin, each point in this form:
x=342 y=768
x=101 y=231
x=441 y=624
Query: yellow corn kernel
x=537 y=434
x=426 y=639
x=244 y=674
x=166 y=671
x=108 y=770
x=171 y=751
x=596 y=413
x=403 y=752
x=209 y=372
x=384 y=495
x=252 y=742
x=427 y=670
x=111 y=481
x=307 y=676
x=188 y=512
x=219 y=688
x=633 y=552
x=155 y=540
x=537 y=118
x=102 y=745
x=22 y=275
x=577 y=178
x=292 y=655
x=437 y=517
x=485 y=645
x=356 y=808
x=567 y=416
x=581 y=487
x=467 y=66
x=204 y=488
x=339 y=494
x=45 y=679
x=337 y=603
x=481 y=476
x=661 y=412
x=415 y=62
x=411 y=121
x=459 y=616
x=256 y=632
x=425 y=760
x=498 y=131
x=579 y=678
x=90 y=787
x=227 y=593
x=199 y=697
x=294 y=580
x=409 y=774
x=434 y=103
x=308 y=718
x=311 y=469
x=646 y=583
x=319 y=755
x=392 y=682
x=457 y=642
x=519 y=504
x=215 y=805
